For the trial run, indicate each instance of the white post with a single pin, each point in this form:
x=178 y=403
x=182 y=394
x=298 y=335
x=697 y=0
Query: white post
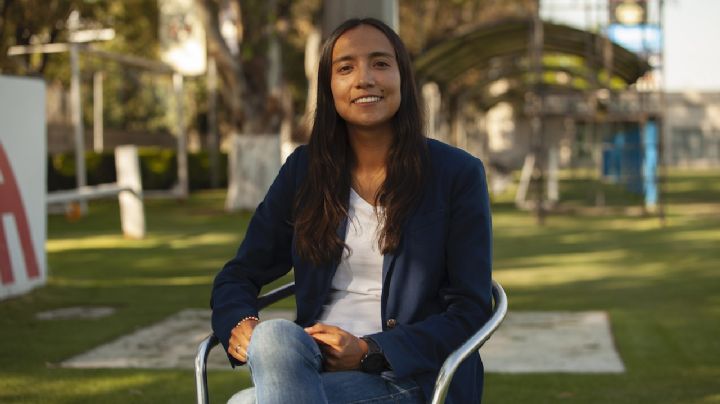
x=553 y=189
x=525 y=178
x=458 y=125
x=132 y=214
x=98 y=143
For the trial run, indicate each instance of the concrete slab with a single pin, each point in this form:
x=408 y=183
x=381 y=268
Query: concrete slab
x=527 y=342
x=171 y=343
x=76 y=312
x=535 y=342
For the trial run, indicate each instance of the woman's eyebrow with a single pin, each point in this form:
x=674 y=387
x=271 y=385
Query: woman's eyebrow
x=343 y=58
x=381 y=54
x=375 y=54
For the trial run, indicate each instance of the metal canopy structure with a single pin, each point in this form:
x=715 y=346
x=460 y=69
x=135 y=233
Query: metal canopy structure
x=545 y=70
x=571 y=58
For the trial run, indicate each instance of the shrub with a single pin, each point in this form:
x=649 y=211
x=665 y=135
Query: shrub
x=158 y=169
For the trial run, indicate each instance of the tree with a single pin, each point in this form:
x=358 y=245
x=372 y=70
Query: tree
x=23 y=22
x=266 y=69
x=432 y=20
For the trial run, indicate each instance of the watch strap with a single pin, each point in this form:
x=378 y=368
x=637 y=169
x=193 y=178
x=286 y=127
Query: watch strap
x=374 y=360
x=373 y=347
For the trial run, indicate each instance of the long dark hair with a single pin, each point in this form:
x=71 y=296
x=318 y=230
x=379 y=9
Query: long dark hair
x=322 y=201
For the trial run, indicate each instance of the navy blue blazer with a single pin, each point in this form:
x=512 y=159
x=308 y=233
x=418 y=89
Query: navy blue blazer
x=436 y=286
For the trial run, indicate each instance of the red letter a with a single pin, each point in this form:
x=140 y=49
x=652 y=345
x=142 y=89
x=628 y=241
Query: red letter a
x=11 y=202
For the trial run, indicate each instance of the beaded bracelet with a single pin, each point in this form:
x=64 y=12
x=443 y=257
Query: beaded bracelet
x=245 y=319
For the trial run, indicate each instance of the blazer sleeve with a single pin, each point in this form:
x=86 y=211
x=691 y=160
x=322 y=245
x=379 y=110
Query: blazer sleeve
x=467 y=297
x=263 y=256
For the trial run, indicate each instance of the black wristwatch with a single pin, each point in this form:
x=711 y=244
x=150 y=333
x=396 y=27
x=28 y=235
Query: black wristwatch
x=374 y=360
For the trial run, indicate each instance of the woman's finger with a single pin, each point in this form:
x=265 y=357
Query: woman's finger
x=329 y=339
x=328 y=350
x=243 y=340
x=321 y=328
x=238 y=352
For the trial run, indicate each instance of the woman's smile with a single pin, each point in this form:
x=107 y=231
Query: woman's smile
x=368 y=99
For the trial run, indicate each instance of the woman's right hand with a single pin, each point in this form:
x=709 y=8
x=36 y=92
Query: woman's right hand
x=240 y=339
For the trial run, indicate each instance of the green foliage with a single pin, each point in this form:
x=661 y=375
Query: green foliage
x=133 y=97
x=158 y=169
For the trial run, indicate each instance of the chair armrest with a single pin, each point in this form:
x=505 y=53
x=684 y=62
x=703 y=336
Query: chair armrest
x=472 y=345
x=201 y=367
x=211 y=341
x=276 y=295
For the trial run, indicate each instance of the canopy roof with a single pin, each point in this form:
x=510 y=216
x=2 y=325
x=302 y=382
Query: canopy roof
x=572 y=59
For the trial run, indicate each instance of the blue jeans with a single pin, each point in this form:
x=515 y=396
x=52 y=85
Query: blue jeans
x=286 y=367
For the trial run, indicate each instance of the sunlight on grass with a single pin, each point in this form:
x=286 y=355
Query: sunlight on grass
x=697 y=235
x=560 y=260
x=165 y=281
x=713 y=398
x=115 y=241
x=98 y=242
x=211 y=239
x=566 y=273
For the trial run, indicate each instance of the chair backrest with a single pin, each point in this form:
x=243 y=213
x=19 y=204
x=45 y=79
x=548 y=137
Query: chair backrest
x=472 y=345
x=446 y=372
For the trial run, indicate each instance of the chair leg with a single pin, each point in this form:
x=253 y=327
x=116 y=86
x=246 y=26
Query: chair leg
x=201 y=368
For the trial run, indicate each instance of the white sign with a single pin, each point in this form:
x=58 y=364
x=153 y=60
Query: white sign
x=90 y=35
x=182 y=37
x=22 y=185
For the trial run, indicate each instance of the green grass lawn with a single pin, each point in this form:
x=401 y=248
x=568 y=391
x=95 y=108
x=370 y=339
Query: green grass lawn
x=659 y=284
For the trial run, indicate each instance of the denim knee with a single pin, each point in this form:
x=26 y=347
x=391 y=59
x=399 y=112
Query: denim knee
x=275 y=342
x=246 y=396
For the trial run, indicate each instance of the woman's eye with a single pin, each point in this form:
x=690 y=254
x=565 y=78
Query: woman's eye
x=344 y=69
x=381 y=63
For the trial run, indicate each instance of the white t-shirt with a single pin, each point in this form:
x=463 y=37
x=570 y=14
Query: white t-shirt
x=354 y=300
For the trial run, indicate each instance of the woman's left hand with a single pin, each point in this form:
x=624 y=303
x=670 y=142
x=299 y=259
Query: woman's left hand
x=341 y=350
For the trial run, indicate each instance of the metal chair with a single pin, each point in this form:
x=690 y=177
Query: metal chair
x=446 y=372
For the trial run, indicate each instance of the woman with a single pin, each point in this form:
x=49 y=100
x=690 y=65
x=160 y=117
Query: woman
x=389 y=237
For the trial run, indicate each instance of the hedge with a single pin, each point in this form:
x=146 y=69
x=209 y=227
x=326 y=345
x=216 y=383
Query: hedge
x=158 y=169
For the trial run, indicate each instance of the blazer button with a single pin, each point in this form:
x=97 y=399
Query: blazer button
x=391 y=323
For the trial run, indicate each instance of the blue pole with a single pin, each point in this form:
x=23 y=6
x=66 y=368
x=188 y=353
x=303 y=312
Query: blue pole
x=650 y=162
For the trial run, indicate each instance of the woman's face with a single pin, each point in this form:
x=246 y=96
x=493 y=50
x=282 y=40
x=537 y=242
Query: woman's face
x=365 y=78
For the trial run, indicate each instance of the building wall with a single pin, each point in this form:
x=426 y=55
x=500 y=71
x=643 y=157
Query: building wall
x=692 y=130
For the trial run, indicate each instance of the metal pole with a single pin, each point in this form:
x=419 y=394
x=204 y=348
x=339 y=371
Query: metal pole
x=98 y=143
x=662 y=171
x=213 y=135
x=182 y=166
x=76 y=106
x=536 y=117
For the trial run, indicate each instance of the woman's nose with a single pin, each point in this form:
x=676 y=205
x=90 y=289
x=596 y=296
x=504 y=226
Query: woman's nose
x=366 y=78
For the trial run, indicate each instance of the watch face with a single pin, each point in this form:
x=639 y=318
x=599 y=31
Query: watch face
x=373 y=362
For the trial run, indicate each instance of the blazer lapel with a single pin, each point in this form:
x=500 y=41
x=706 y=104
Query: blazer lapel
x=388 y=261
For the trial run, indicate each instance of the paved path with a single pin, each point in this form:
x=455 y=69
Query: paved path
x=527 y=342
